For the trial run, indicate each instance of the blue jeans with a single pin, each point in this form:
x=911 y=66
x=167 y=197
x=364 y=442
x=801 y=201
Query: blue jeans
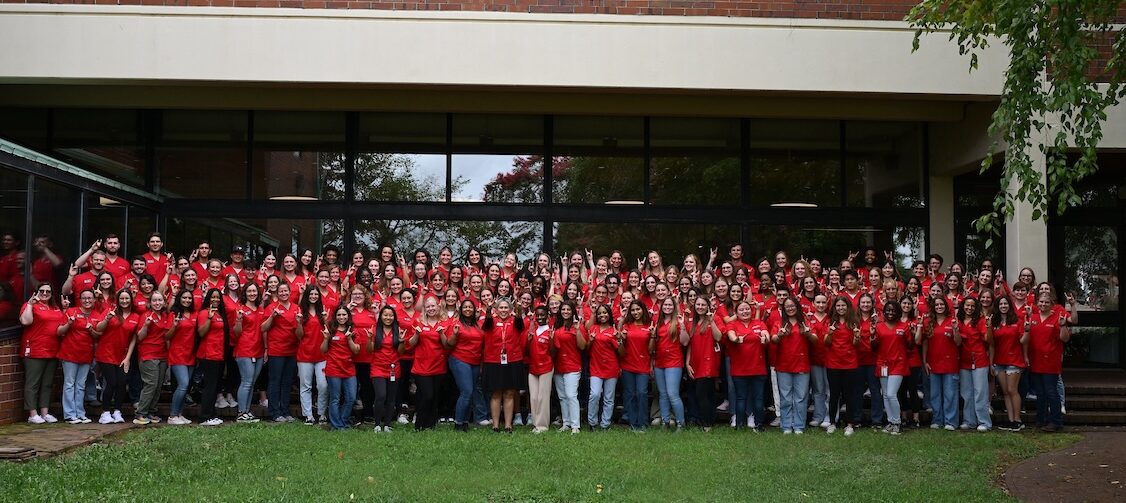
x=889 y=388
x=183 y=375
x=749 y=394
x=869 y=381
x=466 y=377
x=636 y=388
x=1048 y=399
x=943 y=396
x=307 y=375
x=601 y=391
x=975 y=397
x=793 y=391
x=248 y=370
x=668 y=393
x=280 y=385
x=341 y=396
x=730 y=382
x=74 y=389
x=819 y=382
x=567 y=387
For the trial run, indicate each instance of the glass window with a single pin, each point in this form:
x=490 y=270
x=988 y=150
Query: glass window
x=54 y=233
x=495 y=158
x=1091 y=266
x=107 y=142
x=831 y=245
x=298 y=156
x=600 y=160
x=105 y=216
x=142 y=222
x=202 y=154
x=492 y=238
x=795 y=163
x=672 y=241
x=973 y=197
x=259 y=237
x=694 y=161
x=883 y=164
x=1093 y=345
x=25 y=126
x=13 y=220
x=401 y=157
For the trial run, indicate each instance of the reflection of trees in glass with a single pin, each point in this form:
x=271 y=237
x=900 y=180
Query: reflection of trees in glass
x=634 y=240
x=695 y=180
x=1091 y=265
x=786 y=177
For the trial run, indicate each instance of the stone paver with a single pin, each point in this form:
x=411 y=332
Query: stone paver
x=51 y=439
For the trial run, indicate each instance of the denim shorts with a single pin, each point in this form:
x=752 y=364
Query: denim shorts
x=1007 y=369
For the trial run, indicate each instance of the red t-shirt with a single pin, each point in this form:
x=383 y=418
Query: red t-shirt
x=211 y=343
x=568 y=358
x=429 y=354
x=865 y=356
x=670 y=352
x=86 y=281
x=748 y=358
x=338 y=359
x=281 y=338
x=504 y=337
x=1007 y=349
x=407 y=322
x=891 y=349
x=114 y=342
x=793 y=351
x=181 y=349
x=975 y=354
x=241 y=273
x=41 y=338
x=385 y=358
x=156 y=266
x=1045 y=349
x=77 y=345
x=119 y=268
x=603 y=353
x=309 y=347
x=154 y=346
x=703 y=352
x=636 y=358
x=841 y=353
x=943 y=355
x=249 y=343
x=818 y=351
x=363 y=325
x=539 y=351
x=470 y=343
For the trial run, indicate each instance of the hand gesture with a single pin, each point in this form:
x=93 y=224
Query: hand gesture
x=640 y=264
x=325 y=333
x=852 y=256
x=66 y=302
x=888 y=256
x=713 y=253
x=239 y=314
x=194 y=255
x=97 y=244
x=300 y=317
x=1070 y=296
x=73 y=270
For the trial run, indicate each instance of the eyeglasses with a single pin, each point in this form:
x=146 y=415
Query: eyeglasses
x=45 y=291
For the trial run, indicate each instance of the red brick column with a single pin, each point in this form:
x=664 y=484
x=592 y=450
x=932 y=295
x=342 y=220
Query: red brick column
x=11 y=382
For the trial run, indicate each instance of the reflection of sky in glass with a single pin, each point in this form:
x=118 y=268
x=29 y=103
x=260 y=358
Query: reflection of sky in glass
x=476 y=171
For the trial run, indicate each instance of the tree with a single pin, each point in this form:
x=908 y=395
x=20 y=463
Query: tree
x=1052 y=83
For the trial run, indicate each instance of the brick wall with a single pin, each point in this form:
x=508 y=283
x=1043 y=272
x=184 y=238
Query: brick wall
x=11 y=381
x=830 y=9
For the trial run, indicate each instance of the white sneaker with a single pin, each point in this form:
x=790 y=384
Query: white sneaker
x=387 y=429
x=776 y=422
x=831 y=428
x=787 y=432
x=484 y=422
x=264 y=403
x=814 y=423
x=848 y=431
x=733 y=418
x=378 y=429
x=1063 y=409
x=655 y=422
x=825 y=423
x=949 y=427
x=358 y=405
x=36 y=419
x=723 y=406
x=221 y=403
x=403 y=419
x=105 y=418
x=982 y=427
x=212 y=422
x=799 y=432
x=575 y=430
x=49 y=418
x=174 y=421
x=517 y=420
x=117 y=417
x=231 y=402
x=750 y=421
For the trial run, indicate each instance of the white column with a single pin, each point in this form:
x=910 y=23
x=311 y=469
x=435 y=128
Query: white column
x=1026 y=241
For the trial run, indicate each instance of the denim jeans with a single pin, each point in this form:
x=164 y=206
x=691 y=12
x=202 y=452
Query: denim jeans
x=307 y=375
x=282 y=370
x=466 y=377
x=341 y=396
x=248 y=370
x=729 y=381
x=567 y=387
x=74 y=389
x=943 y=396
x=793 y=389
x=601 y=392
x=889 y=388
x=182 y=374
x=668 y=393
x=975 y=397
x=1048 y=399
x=819 y=383
x=749 y=394
x=869 y=381
x=91 y=383
x=774 y=394
x=636 y=388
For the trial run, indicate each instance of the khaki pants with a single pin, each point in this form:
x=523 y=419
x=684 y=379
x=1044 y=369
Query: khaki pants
x=539 y=394
x=152 y=375
x=39 y=378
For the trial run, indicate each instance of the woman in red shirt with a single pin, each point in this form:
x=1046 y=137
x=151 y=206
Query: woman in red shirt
x=1010 y=357
x=639 y=340
x=113 y=335
x=974 y=374
x=465 y=341
x=941 y=356
x=668 y=364
x=504 y=372
x=249 y=346
x=909 y=391
x=385 y=344
x=540 y=351
x=359 y=302
x=76 y=351
x=842 y=365
x=602 y=341
x=43 y=322
x=568 y=364
x=703 y=358
x=310 y=358
x=1046 y=336
x=280 y=326
x=429 y=364
x=338 y=344
x=214 y=331
x=181 y=352
x=792 y=335
x=152 y=351
x=892 y=340
x=747 y=339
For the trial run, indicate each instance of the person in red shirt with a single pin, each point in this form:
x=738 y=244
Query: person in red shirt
x=747 y=338
x=200 y=258
x=338 y=344
x=703 y=358
x=818 y=316
x=359 y=302
x=77 y=282
x=941 y=356
x=668 y=364
x=76 y=351
x=842 y=365
x=429 y=364
x=639 y=340
x=113 y=334
x=386 y=344
x=540 y=352
x=214 y=329
x=156 y=262
x=1010 y=356
x=867 y=317
x=1046 y=336
x=236 y=266
x=504 y=372
x=892 y=340
x=43 y=321
x=181 y=351
x=974 y=375
x=568 y=364
x=152 y=351
x=909 y=391
x=465 y=341
x=249 y=347
x=792 y=336
x=600 y=338
x=310 y=359
x=280 y=326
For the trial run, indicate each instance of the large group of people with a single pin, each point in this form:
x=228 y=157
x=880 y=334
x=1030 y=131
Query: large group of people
x=386 y=339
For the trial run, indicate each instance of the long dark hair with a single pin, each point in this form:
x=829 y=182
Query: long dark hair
x=379 y=333
x=977 y=310
x=559 y=323
x=320 y=305
x=332 y=326
x=1009 y=318
x=471 y=321
x=180 y=310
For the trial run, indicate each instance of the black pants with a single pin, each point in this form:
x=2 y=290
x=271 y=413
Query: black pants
x=446 y=398
x=384 y=401
x=844 y=388
x=404 y=381
x=366 y=394
x=212 y=372
x=133 y=379
x=909 y=391
x=426 y=401
x=114 y=394
x=705 y=400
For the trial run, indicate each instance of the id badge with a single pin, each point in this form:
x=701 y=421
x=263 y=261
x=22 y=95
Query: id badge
x=504 y=358
x=27 y=351
x=884 y=371
x=392 y=373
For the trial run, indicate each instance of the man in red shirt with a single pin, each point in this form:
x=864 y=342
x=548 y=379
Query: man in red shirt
x=45 y=263
x=235 y=266
x=156 y=262
x=200 y=257
x=88 y=279
x=115 y=263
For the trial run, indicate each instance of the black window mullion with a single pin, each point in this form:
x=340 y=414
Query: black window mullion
x=843 y=180
x=249 y=155
x=647 y=158
x=449 y=157
x=744 y=168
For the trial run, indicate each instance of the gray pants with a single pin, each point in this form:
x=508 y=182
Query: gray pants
x=152 y=377
x=39 y=379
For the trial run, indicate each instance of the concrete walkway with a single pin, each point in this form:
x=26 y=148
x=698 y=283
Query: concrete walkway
x=1093 y=469
x=52 y=439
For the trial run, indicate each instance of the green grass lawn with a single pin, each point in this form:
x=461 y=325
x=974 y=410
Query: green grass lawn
x=269 y=462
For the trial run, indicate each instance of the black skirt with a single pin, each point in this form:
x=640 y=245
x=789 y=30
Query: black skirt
x=499 y=377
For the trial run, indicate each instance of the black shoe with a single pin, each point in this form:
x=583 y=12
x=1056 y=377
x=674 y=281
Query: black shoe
x=1017 y=426
x=464 y=427
x=508 y=430
x=496 y=430
x=1005 y=425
